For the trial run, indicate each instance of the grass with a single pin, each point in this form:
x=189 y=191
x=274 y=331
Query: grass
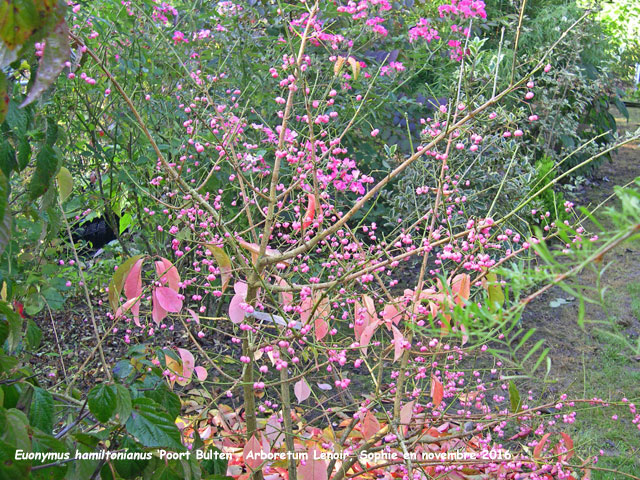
x=612 y=374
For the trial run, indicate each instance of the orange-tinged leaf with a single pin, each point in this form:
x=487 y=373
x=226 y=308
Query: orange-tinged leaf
x=224 y=264
x=461 y=288
x=355 y=67
x=370 y=425
x=437 y=391
x=310 y=214
x=338 y=65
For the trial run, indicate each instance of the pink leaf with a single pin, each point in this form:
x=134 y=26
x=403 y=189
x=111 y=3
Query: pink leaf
x=370 y=425
x=194 y=315
x=169 y=299
x=398 y=340
x=240 y=288
x=133 y=288
x=322 y=328
x=287 y=297
x=315 y=467
x=360 y=315
x=390 y=314
x=302 y=390
x=188 y=362
x=168 y=274
x=305 y=310
x=273 y=431
x=157 y=312
x=236 y=313
x=365 y=338
x=406 y=413
x=251 y=453
x=125 y=308
x=201 y=373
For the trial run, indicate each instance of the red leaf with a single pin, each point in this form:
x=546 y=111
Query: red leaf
x=538 y=450
x=157 y=312
x=133 y=287
x=437 y=391
x=168 y=274
x=169 y=299
x=568 y=443
x=302 y=390
x=370 y=425
x=398 y=340
x=315 y=467
x=251 y=453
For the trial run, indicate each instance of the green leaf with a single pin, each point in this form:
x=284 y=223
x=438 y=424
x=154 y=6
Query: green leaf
x=123 y=403
x=125 y=221
x=20 y=19
x=34 y=334
x=47 y=443
x=7 y=159
x=46 y=167
x=4 y=194
x=14 y=323
x=214 y=465
x=496 y=295
x=103 y=401
x=41 y=411
x=130 y=469
x=165 y=397
x=16 y=431
x=24 y=152
x=4 y=97
x=514 y=397
x=117 y=281
x=54 y=298
x=65 y=183
x=152 y=426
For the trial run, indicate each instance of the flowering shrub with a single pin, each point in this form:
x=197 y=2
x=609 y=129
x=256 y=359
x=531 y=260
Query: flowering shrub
x=248 y=180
